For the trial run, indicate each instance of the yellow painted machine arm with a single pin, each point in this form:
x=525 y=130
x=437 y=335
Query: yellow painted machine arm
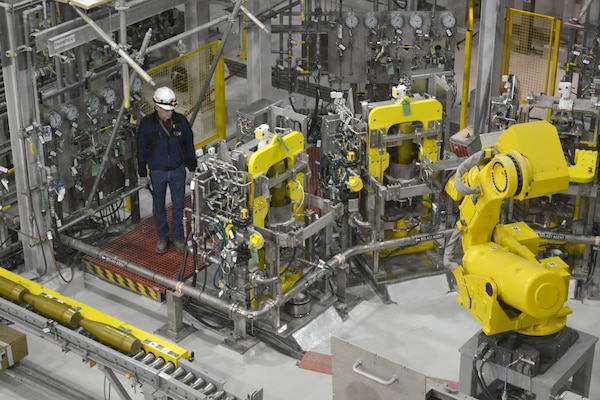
x=501 y=281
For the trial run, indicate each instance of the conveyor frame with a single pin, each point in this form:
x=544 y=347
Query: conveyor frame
x=112 y=360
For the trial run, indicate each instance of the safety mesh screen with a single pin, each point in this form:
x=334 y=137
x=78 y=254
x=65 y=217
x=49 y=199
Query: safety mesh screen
x=186 y=75
x=530 y=51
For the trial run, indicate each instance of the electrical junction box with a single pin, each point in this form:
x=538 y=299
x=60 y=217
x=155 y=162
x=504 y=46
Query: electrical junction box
x=13 y=346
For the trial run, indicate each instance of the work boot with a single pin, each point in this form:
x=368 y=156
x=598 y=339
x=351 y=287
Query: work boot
x=179 y=245
x=161 y=246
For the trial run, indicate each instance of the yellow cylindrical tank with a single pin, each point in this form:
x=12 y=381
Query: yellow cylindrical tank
x=404 y=149
x=12 y=290
x=58 y=311
x=278 y=190
x=523 y=284
x=122 y=341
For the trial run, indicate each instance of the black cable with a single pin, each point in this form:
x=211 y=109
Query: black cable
x=313 y=121
x=480 y=381
x=184 y=259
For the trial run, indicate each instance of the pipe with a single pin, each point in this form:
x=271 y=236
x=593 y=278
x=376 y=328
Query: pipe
x=118 y=121
x=254 y=19
x=467 y=67
x=261 y=280
x=30 y=66
x=236 y=310
x=185 y=34
x=115 y=47
x=236 y=9
x=342 y=257
x=120 y=7
x=142 y=271
x=565 y=237
x=49 y=94
x=105 y=157
x=90 y=212
x=356 y=221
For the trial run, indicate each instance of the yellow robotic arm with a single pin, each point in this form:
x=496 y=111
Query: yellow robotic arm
x=500 y=281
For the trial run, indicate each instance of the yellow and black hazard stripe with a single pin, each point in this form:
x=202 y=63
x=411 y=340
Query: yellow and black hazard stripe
x=121 y=280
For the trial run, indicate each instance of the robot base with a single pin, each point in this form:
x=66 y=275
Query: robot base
x=542 y=351
x=571 y=371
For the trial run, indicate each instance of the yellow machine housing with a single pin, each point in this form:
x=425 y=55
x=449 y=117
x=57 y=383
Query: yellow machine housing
x=276 y=161
x=584 y=169
x=272 y=160
x=401 y=113
x=500 y=281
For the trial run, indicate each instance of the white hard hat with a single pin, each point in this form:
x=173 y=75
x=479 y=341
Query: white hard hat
x=165 y=98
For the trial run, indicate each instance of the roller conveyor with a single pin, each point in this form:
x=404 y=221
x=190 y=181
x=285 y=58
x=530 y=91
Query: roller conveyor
x=157 y=366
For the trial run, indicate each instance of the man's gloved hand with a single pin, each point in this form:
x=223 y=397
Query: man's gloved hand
x=188 y=177
x=144 y=181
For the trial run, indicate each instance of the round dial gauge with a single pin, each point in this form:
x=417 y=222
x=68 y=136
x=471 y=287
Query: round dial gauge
x=54 y=119
x=71 y=111
x=351 y=21
x=448 y=20
x=371 y=21
x=416 y=21
x=109 y=95
x=396 y=20
x=93 y=104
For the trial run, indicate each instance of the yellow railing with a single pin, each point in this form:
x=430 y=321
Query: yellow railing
x=185 y=75
x=530 y=50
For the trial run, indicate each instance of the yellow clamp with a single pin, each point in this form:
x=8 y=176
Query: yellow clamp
x=355 y=184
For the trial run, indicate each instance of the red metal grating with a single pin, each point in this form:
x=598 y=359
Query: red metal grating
x=317 y=362
x=138 y=246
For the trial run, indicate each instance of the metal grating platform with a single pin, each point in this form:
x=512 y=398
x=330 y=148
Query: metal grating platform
x=138 y=246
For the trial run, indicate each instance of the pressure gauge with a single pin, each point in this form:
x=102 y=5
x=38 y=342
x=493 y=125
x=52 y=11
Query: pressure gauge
x=396 y=20
x=93 y=104
x=54 y=119
x=416 y=21
x=136 y=85
x=371 y=21
x=448 y=20
x=109 y=95
x=351 y=21
x=71 y=111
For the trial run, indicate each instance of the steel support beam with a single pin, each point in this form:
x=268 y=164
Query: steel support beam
x=74 y=33
x=488 y=70
x=25 y=146
x=259 y=56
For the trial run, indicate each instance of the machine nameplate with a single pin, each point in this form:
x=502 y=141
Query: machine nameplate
x=66 y=41
x=114 y=261
x=553 y=236
x=426 y=238
x=161 y=348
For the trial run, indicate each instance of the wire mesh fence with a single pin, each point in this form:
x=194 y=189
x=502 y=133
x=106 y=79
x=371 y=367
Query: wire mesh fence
x=186 y=75
x=530 y=51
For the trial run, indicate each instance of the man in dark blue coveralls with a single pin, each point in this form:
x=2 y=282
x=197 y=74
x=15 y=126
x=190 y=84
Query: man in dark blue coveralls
x=166 y=147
